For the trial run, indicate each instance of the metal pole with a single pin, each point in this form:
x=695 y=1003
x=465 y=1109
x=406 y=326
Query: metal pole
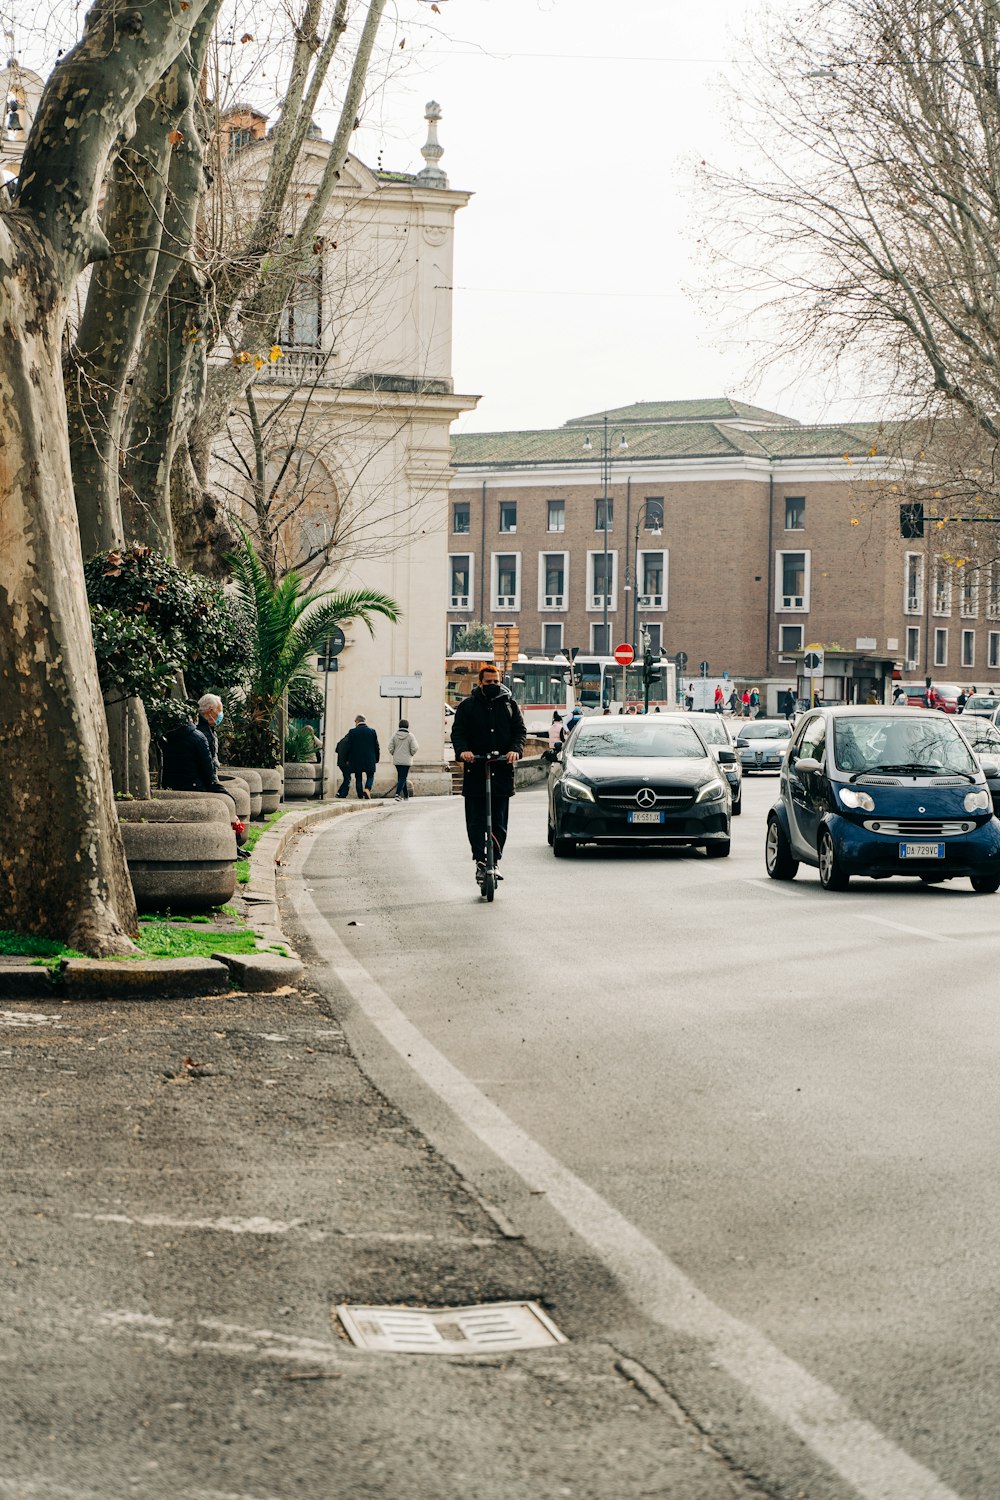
x=326 y=717
x=635 y=585
x=604 y=482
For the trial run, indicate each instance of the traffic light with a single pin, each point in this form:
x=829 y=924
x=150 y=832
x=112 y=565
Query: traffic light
x=650 y=673
x=911 y=520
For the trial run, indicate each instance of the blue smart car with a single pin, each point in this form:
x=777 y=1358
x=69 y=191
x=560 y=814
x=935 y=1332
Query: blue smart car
x=880 y=792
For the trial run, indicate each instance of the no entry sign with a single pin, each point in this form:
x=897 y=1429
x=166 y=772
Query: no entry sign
x=624 y=654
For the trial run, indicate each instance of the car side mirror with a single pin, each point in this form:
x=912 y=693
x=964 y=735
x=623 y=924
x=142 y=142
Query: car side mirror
x=808 y=765
x=726 y=757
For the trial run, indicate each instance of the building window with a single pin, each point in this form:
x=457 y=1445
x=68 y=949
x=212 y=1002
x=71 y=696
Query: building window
x=792 y=581
x=653 y=513
x=789 y=639
x=654 y=635
x=912 y=648
x=552 y=581
x=969 y=593
x=599 y=506
x=600 y=640
x=455 y=628
x=913 y=583
x=302 y=319
x=552 y=639
x=651 y=568
x=968 y=648
x=596 y=583
x=507 y=580
x=993 y=657
x=508 y=515
x=461 y=517
x=557 y=515
x=941 y=587
x=795 y=513
x=993 y=591
x=460 y=591
x=940 y=648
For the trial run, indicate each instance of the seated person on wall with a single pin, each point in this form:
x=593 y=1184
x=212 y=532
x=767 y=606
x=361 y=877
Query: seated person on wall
x=187 y=761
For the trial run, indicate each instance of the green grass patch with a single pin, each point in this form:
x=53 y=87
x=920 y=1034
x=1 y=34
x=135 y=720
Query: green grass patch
x=25 y=945
x=177 y=940
x=256 y=833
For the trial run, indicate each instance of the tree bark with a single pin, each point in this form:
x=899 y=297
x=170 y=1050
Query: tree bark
x=62 y=865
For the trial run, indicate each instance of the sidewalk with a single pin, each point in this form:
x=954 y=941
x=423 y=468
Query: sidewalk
x=191 y=1186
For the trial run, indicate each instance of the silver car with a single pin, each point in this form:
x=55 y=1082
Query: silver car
x=717 y=736
x=761 y=744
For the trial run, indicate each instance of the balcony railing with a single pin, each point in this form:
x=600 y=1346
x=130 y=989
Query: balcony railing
x=300 y=367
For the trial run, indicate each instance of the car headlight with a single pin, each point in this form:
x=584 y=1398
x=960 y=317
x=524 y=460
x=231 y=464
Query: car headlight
x=711 y=791
x=576 y=791
x=850 y=798
x=978 y=801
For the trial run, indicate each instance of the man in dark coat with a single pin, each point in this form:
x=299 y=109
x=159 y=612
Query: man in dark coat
x=343 y=754
x=210 y=716
x=362 y=754
x=187 y=762
x=488 y=720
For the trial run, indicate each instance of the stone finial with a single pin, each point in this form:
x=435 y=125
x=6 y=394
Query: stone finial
x=431 y=151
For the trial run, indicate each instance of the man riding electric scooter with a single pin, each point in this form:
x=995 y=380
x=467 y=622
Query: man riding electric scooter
x=488 y=723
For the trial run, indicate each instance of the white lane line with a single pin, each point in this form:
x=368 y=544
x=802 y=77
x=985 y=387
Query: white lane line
x=224 y=1338
x=876 y=1467
x=223 y=1226
x=932 y=937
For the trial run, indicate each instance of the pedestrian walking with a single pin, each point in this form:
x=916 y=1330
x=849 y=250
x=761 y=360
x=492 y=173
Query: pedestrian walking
x=689 y=700
x=899 y=698
x=363 y=753
x=572 y=722
x=403 y=747
x=343 y=753
x=754 y=702
x=745 y=700
x=555 y=730
x=720 y=699
x=962 y=700
x=734 y=702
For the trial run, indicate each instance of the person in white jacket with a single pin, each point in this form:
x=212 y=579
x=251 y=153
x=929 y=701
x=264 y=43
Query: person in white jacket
x=403 y=747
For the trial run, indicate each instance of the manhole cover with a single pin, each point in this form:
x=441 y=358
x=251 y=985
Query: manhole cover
x=450 y=1330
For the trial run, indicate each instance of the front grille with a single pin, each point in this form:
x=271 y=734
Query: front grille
x=913 y=828
x=665 y=801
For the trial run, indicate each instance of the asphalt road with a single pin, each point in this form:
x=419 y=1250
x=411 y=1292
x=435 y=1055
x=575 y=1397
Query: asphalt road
x=769 y=1111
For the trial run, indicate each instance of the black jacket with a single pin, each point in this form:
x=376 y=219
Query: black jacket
x=483 y=724
x=362 y=748
x=208 y=731
x=187 y=761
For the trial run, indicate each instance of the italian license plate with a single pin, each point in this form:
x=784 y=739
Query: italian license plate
x=921 y=851
x=645 y=817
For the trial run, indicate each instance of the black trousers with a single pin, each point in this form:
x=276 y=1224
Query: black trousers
x=474 y=792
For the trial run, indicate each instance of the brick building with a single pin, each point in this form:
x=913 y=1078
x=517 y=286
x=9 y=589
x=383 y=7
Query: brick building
x=735 y=535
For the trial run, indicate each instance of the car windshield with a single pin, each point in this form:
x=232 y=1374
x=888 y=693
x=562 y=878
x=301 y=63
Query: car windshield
x=926 y=746
x=982 y=704
x=982 y=735
x=775 y=729
x=712 y=730
x=638 y=738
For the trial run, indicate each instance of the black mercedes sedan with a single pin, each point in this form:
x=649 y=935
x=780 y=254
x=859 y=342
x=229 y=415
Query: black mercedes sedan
x=626 y=779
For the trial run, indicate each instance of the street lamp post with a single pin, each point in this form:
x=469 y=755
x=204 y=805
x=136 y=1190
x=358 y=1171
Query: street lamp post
x=632 y=574
x=605 y=486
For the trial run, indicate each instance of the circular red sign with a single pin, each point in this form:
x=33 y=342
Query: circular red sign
x=624 y=654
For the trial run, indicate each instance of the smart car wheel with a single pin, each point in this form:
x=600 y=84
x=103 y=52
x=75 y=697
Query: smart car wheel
x=985 y=885
x=778 y=853
x=832 y=877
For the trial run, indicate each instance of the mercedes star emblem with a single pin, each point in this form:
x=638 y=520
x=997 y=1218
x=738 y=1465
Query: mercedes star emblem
x=645 y=796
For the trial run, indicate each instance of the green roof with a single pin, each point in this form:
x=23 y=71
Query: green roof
x=711 y=409
x=563 y=446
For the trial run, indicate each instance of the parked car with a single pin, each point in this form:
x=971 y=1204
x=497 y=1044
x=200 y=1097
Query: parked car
x=624 y=779
x=718 y=736
x=946 y=694
x=982 y=705
x=984 y=738
x=761 y=744
x=880 y=792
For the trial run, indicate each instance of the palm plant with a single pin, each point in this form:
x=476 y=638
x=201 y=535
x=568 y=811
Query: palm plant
x=289 y=623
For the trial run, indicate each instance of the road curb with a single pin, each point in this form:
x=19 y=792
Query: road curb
x=262 y=972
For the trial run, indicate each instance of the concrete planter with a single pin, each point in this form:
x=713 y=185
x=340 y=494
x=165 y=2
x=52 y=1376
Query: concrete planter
x=180 y=850
x=253 y=783
x=271 y=789
x=303 y=779
x=237 y=788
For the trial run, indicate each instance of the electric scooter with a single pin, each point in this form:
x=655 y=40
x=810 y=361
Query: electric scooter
x=488 y=878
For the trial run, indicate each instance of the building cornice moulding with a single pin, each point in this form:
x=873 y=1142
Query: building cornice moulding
x=741 y=470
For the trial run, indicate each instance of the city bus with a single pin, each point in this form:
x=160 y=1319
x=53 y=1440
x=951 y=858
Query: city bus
x=543 y=686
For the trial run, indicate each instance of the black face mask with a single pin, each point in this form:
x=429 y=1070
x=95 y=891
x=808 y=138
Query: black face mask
x=492 y=689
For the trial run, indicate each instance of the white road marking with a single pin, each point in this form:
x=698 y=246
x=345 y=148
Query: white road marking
x=224 y=1338
x=932 y=937
x=876 y=1467
x=224 y=1226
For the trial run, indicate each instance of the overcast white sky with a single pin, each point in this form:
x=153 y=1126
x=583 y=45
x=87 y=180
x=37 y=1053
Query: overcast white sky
x=575 y=123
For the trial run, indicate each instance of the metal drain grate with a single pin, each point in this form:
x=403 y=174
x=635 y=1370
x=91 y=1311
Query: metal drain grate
x=450 y=1330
